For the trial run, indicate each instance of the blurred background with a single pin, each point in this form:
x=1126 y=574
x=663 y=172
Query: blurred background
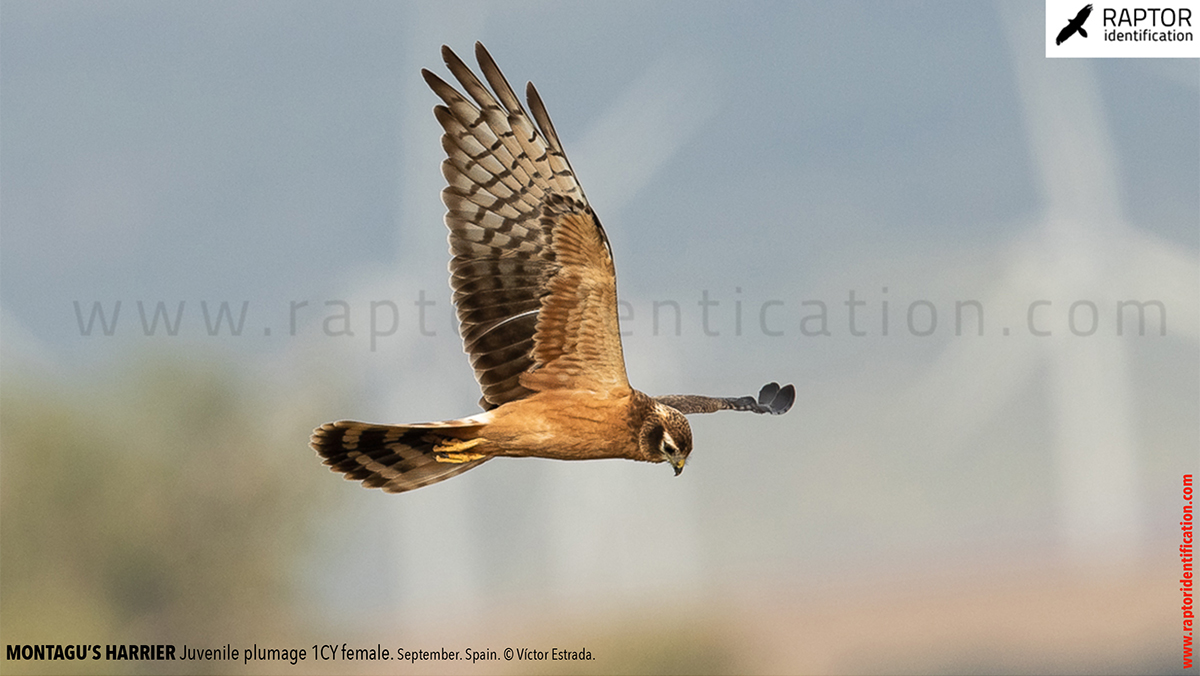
x=979 y=266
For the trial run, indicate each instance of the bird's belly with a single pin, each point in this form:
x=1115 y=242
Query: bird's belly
x=561 y=426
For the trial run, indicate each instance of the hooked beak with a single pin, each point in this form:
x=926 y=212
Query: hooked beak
x=677 y=462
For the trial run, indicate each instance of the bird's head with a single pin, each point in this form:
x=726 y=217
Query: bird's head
x=666 y=437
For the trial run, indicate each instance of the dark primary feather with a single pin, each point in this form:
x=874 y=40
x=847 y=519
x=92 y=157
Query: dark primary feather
x=771 y=399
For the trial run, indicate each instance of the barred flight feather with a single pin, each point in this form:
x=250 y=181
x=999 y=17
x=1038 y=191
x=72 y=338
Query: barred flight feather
x=509 y=190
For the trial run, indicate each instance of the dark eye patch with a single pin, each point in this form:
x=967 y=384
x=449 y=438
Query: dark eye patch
x=656 y=436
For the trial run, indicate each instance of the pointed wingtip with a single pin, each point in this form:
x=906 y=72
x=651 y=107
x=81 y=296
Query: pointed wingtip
x=767 y=393
x=482 y=55
x=784 y=400
x=776 y=400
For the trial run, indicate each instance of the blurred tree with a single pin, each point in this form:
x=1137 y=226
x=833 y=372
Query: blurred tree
x=168 y=505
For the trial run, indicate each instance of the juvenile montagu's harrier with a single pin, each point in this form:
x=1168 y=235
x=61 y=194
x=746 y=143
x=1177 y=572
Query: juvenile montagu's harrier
x=536 y=295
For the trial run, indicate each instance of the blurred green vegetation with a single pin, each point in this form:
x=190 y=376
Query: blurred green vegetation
x=168 y=501
x=163 y=499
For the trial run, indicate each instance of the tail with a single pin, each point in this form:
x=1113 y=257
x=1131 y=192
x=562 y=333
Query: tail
x=396 y=458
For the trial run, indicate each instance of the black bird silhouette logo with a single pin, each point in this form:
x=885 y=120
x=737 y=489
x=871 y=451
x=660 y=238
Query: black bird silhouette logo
x=1075 y=25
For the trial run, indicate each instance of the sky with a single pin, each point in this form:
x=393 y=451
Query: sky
x=885 y=203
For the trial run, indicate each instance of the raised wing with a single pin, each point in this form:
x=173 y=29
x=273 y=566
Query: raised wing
x=532 y=271
x=771 y=399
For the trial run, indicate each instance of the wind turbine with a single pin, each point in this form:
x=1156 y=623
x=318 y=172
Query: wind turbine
x=1081 y=248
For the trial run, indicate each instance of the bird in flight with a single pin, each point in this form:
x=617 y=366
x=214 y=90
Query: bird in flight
x=1074 y=25
x=536 y=296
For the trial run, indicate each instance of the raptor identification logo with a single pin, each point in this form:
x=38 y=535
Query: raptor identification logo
x=1138 y=29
